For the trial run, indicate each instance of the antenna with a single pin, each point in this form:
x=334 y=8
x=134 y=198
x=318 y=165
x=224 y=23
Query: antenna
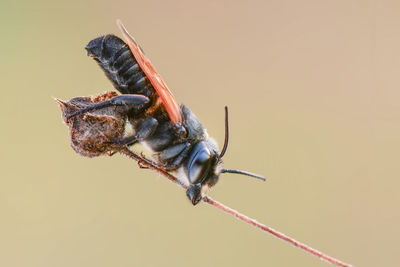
x=226 y=133
x=244 y=173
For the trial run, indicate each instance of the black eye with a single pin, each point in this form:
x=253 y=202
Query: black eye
x=199 y=163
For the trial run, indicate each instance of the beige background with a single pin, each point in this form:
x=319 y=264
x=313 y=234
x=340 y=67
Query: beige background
x=313 y=90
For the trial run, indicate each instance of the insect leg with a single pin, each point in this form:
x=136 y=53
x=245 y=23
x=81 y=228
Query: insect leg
x=134 y=103
x=143 y=129
x=179 y=152
x=125 y=141
x=171 y=152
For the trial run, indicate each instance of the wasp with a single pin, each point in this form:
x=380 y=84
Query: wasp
x=171 y=132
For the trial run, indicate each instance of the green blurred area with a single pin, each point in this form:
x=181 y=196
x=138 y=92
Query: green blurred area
x=313 y=91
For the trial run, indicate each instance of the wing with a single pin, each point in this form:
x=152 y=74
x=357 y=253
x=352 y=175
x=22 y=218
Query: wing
x=166 y=97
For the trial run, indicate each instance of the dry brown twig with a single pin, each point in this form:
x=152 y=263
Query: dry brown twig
x=145 y=162
x=91 y=134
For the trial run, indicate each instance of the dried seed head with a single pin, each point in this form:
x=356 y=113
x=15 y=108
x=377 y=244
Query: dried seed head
x=92 y=133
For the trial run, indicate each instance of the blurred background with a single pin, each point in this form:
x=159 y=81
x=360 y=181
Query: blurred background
x=313 y=92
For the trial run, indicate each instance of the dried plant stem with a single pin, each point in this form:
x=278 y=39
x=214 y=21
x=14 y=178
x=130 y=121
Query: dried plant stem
x=277 y=234
x=147 y=163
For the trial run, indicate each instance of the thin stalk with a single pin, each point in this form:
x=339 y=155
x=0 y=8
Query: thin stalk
x=147 y=163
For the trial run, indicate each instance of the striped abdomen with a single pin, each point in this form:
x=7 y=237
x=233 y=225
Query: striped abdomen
x=120 y=66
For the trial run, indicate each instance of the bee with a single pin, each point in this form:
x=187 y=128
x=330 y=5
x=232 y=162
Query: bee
x=174 y=135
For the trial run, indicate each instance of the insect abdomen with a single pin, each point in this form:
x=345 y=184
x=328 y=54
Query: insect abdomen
x=120 y=66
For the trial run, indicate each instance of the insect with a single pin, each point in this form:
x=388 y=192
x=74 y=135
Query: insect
x=174 y=135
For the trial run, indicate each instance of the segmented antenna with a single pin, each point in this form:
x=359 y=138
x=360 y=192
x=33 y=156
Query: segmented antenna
x=244 y=173
x=226 y=133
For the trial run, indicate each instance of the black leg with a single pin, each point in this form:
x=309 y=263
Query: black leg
x=128 y=103
x=172 y=152
x=179 y=158
x=143 y=129
x=125 y=141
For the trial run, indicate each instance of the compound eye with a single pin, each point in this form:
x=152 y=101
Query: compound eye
x=199 y=163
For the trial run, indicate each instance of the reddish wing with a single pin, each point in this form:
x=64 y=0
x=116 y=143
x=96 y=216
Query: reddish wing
x=166 y=97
